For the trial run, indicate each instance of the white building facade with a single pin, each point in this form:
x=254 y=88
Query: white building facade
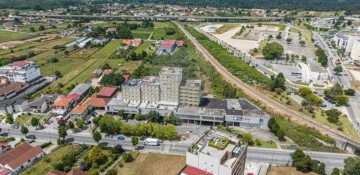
x=355 y=51
x=21 y=71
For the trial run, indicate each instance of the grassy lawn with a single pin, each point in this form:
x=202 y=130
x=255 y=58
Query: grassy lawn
x=46 y=164
x=300 y=83
x=84 y=53
x=142 y=47
x=160 y=33
x=347 y=129
x=266 y=144
x=128 y=66
x=12 y=36
x=281 y=26
x=110 y=158
x=107 y=50
x=142 y=33
x=226 y=28
x=24 y=119
x=306 y=34
x=274 y=170
x=154 y=164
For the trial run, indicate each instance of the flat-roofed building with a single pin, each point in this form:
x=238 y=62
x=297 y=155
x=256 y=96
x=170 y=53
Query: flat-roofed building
x=190 y=92
x=218 y=153
x=150 y=90
x=170 y=80
x=355 y=52
x=131 y=90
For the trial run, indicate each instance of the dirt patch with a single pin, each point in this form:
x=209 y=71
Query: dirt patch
x=287 y=170
x=154 y=164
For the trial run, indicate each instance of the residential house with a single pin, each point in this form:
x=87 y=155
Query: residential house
x=126 y=42
x=100 y=41
x=9 y=106
x=168 y=46
x=72 y=172
x=107 y=92
x=62 y=105
x=108 y=71
x=111 y=29
x=43 y=103
x=4 y=147
x=137 y=42
x=20 y=157
x=97 y=103
x=97 y=73
x=81 y=90
x=63 y=33
x=180 y=43
x=81 y=111
x=9 y=26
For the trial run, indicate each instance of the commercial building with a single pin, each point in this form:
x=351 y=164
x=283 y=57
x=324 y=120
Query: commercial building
x=341 y=40
x=218 y=153
x=350 y=43
x=170 y=80
x=9 y=106
x=190 y=92
x=132 y=91
x=20 y=71
x=20 y=157
x=168 y=47
x=355 y=51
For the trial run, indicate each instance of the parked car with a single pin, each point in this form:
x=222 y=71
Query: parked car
x=15 y=126
x=120 y=137
x=108 y=135
x=323 y=105
x=190 y=132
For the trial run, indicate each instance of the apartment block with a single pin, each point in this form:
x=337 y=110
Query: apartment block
x=132 y=91
x=150 y=90
x=170 y=80
x=190 y=92
x=355 y=52
x=20 y=71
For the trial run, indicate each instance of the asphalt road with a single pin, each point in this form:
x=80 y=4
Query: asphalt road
x=260 y=155
x=247 y=89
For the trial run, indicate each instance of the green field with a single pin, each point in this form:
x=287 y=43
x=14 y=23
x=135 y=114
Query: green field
x=12 y=36
x=46 y=164
x=25 y=119
x=142 y=33
x=142 y=47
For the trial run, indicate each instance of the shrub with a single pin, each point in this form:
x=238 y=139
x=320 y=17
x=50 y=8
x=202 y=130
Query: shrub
x=127 y=157
x=44 y=145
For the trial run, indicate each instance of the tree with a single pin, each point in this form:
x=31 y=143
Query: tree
x=112 y=79
x=62 y=132
x=96 y=155
x=303 y=58
x=288 y=40
x=335 y=171
x=304 y=165
x=277 y=82
x=342 y=100
x=352 y=166
x=279 y=36
x=247 y=138
x=321 y=169
x=71 y=125
x=153 y=116
x=97 y=136
x=121 y=113
x=280 y=134
x=118 y=149
x=35 y=122
x=127 y=157
x=297 y=156
x=80 y=123
x=58 y=74
x=134 y=140
x=349 y=92
x=338 y=69
x=96 y=120
x=171 y=119
x=32 y=29
x=302 y=43
x=41 y=27
x=273 y=51
x=333 y=115
x=24 y=130
x=112 y=171
x=9 y=119
x=271 y=121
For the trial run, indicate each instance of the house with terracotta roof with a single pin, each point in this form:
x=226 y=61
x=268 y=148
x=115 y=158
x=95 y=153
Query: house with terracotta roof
x=108 y=71
x=97 y=103
x=126 y=42
x=81 y=90
x=72 y=172
x=4 y=172
x=107 y=92
x=81 y=111
x=20 y=157
x=167 y=47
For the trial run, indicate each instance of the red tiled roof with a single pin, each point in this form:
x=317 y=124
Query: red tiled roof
x=3 y=144
x=126 y=77
x=19 y=63
x=4 y=172
x=19 y=155
x=76 y=172
x=56 y=172
x=107 y=92
x=75 y=97
x=180 y=43
x=97 y=102
x=168 y=43
x=63 y=101
x=189 y=170
x=107 y=71
x=79 y=109
x=126 y=41
x=137 y=41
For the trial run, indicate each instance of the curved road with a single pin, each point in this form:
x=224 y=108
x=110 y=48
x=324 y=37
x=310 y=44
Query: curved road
x=247 y=89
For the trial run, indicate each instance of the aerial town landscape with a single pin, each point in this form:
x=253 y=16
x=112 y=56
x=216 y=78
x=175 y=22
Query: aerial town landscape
x=148 y=87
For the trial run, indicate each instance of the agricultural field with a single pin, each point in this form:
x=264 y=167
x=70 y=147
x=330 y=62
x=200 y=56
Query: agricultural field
x=142 y=47
x=46 y=164
x=142 y=33
x=225 y=28
x=26 y=28
x=12 y=36
x=154 y=164
x=160 y=32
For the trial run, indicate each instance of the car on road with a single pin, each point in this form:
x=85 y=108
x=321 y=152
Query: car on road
x=5 y=134
x=15 y=126
x=30 y=137
x=190 y=132
x=88 y=122
x=121 y=137
x=108 y=135
x=323 y=105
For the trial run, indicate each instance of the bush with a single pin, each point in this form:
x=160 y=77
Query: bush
x=111 y=172
x=44 y=145
x=127 y=157
x=333 y=115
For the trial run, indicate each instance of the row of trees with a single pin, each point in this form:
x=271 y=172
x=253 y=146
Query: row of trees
x=322 y=57
x=304 y=163
x=310 y=99
x=337 y=94
x=275 y=128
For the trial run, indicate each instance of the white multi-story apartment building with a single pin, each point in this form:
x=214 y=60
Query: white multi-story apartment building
x=355 y=51
x=150 y=90
x=190 y=92
x=341 y=40
x=131 y=91
x=21 y=71
x=170 y=80
x=350 y=43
